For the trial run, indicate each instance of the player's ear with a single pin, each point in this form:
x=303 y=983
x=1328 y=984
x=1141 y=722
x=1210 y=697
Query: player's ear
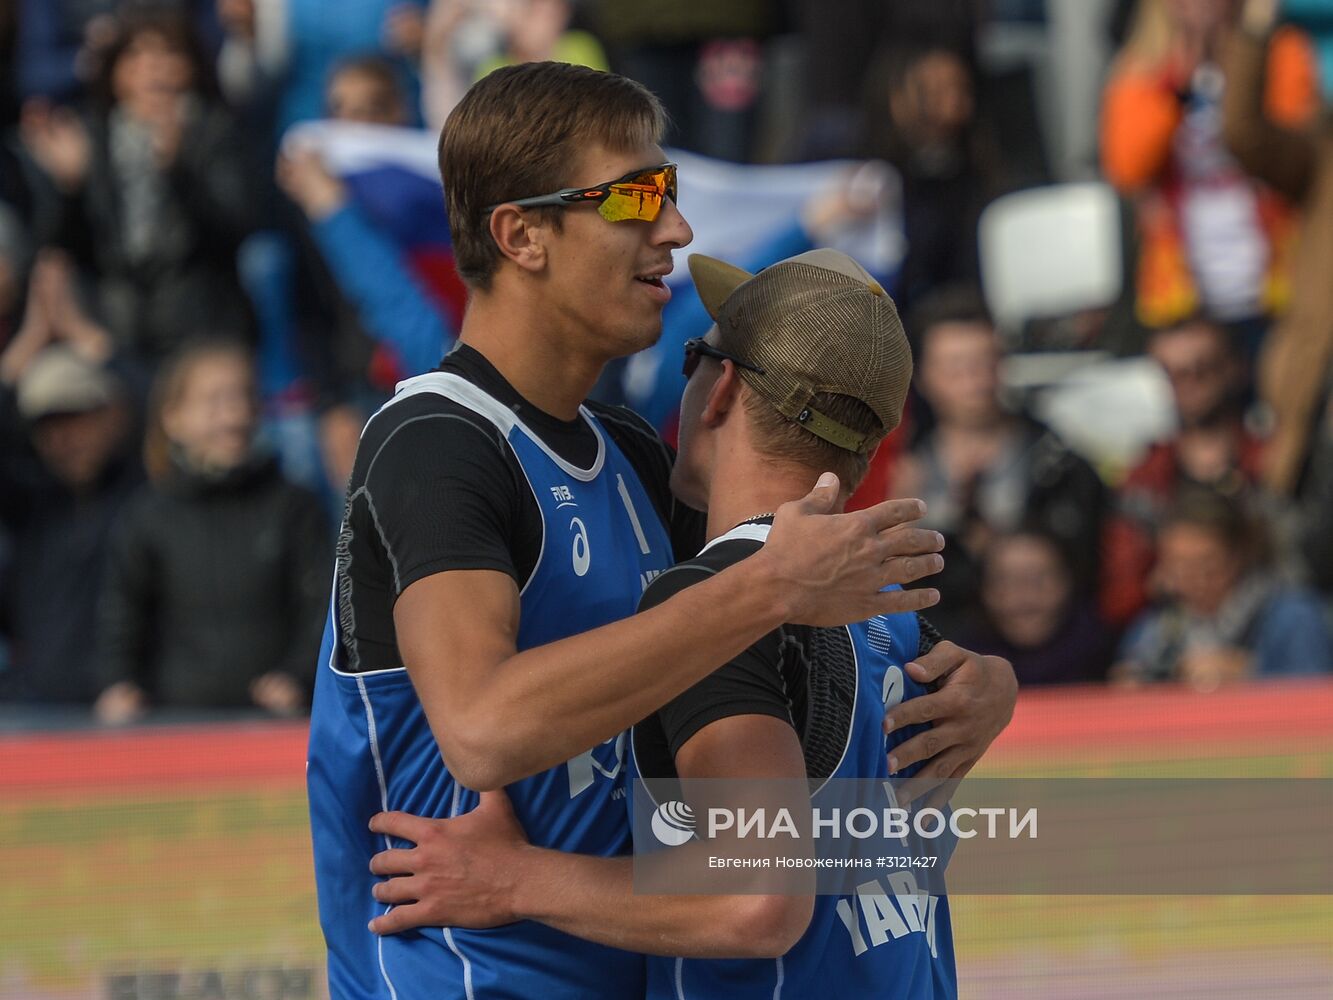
x=519 y=235
x=723 y=397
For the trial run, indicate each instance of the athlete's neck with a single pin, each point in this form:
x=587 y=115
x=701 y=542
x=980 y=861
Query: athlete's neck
x=540 y=367
x=746 y=485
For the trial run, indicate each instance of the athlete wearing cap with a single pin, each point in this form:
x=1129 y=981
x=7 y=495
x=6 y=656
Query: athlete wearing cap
x=805 y=369
x=498 y=535
x=814 y=324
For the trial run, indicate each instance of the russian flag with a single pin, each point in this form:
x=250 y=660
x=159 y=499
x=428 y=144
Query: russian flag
x=394 y=180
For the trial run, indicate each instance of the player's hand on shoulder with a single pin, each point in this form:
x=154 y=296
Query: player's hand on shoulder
x=833 y=567
x=460 y=873
x=973 y=703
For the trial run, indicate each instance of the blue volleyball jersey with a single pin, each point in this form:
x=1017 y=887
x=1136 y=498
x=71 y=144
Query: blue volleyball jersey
x=371 y=748
x=886 y=941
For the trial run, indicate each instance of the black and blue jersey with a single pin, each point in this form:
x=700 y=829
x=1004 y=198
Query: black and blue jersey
x=599 y=539
x=889 y=940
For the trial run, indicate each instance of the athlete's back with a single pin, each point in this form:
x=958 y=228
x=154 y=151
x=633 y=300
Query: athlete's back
x=887 y=940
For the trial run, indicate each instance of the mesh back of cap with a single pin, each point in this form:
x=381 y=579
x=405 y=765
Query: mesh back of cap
x=814 y=330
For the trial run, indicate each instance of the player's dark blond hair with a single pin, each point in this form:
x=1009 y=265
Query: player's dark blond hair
x=786 y=441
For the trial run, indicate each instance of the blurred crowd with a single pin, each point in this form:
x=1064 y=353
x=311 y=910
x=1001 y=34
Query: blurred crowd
x=196 y=318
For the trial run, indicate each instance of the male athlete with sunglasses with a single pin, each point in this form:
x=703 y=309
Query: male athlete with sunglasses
x=498 y=535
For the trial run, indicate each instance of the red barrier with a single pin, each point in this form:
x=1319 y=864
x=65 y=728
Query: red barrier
x=1113 y=719
x=1159 y=721
x=169 y=758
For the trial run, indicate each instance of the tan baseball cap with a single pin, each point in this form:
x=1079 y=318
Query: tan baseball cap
x=60 y=381
x=816 y=322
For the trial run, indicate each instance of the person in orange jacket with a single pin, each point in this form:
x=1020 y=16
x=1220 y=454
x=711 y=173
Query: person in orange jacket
x=1211 y=237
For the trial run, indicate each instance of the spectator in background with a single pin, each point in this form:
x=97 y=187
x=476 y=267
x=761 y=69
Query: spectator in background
x=155 y=187
x=67 y=467
x=278 y=58
x=59 y=43
x=1295 y=363
x=1032 y=617
x=838 y=61
x=282 y=52
x=275 y=64
x=369 y=269
x=921 y=117
x=218 y=576
x=366 y=89
x=984 y=470
x=370 y=313
x=841 y=61
x=1212 y=448
x=1223 y=618
x=467 y=39
x=1211 y=237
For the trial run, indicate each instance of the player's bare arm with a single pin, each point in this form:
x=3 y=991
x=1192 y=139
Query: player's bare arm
x=465 y=871
x=479 y=871
x=501 y=715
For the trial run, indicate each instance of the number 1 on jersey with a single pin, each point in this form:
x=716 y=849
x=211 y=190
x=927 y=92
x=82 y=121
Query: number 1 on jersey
x=633 y=514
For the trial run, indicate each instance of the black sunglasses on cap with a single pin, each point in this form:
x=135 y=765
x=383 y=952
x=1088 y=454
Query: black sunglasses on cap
x=697 y=347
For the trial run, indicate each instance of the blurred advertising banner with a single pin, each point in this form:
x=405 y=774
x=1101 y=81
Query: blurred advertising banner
x=169 y=863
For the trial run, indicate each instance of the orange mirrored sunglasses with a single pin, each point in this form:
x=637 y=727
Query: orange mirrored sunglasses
x=637 y=195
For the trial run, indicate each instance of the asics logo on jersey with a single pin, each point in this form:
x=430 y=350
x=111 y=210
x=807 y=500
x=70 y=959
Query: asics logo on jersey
x=673 y=823
x=893 y=687
x=582 y=557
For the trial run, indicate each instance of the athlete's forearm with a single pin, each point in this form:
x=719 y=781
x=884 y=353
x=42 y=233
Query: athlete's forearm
x=594 y=898
x=545 y=705
x=499 y=715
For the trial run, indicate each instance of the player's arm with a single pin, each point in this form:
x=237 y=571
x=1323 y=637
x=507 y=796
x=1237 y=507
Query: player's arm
x=500 y=715
x=483 y=873
x=478 y=870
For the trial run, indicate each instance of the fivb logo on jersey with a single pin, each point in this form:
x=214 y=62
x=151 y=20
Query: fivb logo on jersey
x=581 y=546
